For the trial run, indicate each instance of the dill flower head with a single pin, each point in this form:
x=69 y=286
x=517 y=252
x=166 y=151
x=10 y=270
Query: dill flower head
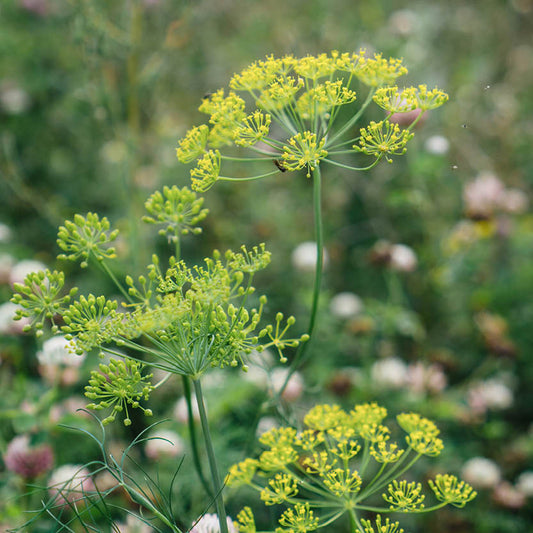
x=86 y=237
x=292 y=117
x=118 y=385
x=338 y=460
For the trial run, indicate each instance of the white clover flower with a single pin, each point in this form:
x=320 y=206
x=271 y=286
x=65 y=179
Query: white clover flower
x=69 y=483
x=256 y=375
x=14 y=100
x=304 y=257
x=483 y=195
x=389 y=373
x=402 y=258
x=266 y=423
x=403 y=22
x=208 y=523
x=164 y=443
x=133 y=524
x=74 y=405
x=481 y=473
x=6 y=264
x=8 y=325
x=346 y=305
x=508 y=496
x=23 y=268
x=497 y=394
x=490 y=394
x=295 y=385
x=524 y=483
x=421 y=378
x=514 y=201
x=57 y=364
x=105 y=480
x=181 y=413
x=437 y=145
x=55 y=351
x=5 y=233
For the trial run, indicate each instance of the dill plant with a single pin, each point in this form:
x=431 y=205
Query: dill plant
x=180 y=319
x=186 y=320
x=304 y=113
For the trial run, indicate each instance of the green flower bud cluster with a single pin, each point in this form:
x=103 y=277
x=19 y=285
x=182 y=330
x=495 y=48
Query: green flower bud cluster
x=40 y=300
x=338 y=461
x=117 y=385
x=179 y=210
x=91 y=322
x=191 y=318
x=182 y=319
x=295 y=122
x=86 y=237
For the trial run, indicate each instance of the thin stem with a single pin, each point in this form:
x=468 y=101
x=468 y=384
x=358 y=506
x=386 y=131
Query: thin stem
x=224 y=178
x=142 y=500
x=215 y=476
x=392 y=474
x=414 y=123
x=353 y=120
x=162 y=381
x=119 y=286
x=319 y=237
x=192 y=436
x=337 y=164
x=354 y=522
x=332 y=518
x=177 y=247
x=231 y=158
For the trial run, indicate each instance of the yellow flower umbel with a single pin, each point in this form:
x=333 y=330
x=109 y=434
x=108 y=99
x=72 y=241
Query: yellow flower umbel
x=383 y=139
x=294 y=122
x=206 y=172
x=303 y=151
x=410 y=98
x=338 y=461
x=253 y=128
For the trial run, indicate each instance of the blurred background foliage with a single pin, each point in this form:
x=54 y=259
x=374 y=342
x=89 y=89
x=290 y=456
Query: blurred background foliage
x=93 y=98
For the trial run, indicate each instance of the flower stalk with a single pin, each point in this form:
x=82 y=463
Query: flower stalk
x=213 y=467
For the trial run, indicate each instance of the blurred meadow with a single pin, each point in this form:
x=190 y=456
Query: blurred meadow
x=426 y=299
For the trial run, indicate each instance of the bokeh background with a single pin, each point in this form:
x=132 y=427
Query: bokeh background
x=432 y=256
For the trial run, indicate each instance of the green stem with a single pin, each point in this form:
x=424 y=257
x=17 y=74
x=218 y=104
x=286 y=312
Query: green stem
x=215 y=476
x=353 y=120
x=192 y=436
x=394 y=473
x=354 y=522
x=114 y=279
x=319 y=237
x=337 y=164
x=245 y=159
x=225 y=178
x=139 y=498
